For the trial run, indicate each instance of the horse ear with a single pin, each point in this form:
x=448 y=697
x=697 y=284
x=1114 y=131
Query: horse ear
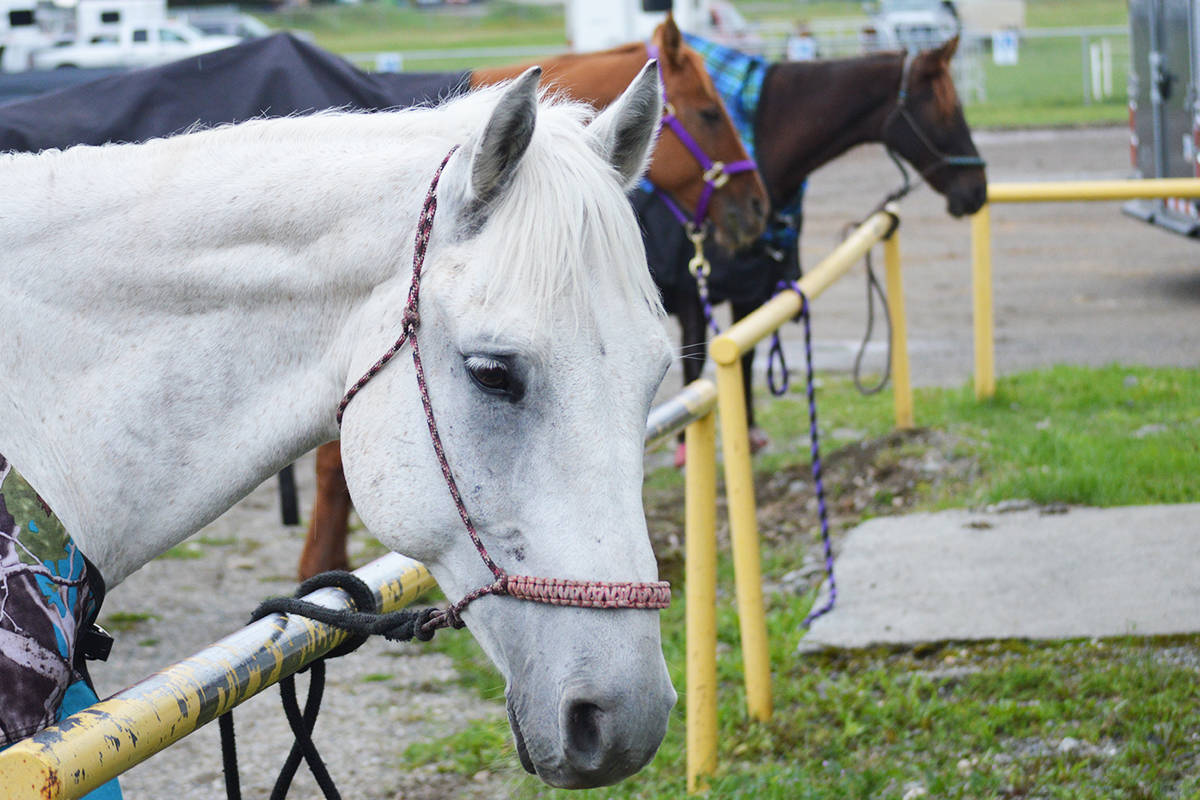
x=947 y=50
x=623 y=134
x=669 y=40
x=505 y=138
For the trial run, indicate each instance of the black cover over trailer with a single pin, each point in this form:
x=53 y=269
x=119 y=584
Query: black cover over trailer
x=1164 y=105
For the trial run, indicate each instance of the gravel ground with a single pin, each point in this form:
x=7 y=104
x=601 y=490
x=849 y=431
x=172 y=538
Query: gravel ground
x=1074 y=283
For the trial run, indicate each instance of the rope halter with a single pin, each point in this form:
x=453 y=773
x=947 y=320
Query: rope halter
x=553 y=591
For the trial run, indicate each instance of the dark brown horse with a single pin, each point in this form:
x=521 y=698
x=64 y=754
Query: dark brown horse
x=808 y=114
x=737 y=209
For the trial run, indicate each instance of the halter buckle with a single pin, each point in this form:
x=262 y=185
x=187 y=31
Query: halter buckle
x=668 y=109
x=698 y=266
x=716 y=175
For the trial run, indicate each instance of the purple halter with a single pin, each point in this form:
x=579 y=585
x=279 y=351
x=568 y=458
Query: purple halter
x=716 y=173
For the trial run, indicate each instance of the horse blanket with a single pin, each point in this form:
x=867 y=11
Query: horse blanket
x=49 y=595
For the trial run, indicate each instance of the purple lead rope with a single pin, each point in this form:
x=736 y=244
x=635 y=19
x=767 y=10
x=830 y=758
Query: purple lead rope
x=777 y=354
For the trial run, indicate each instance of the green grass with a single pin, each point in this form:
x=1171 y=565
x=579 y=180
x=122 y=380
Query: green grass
x=1069 y=719
x=386 y=27
x=121 y=621
x=1046 y=87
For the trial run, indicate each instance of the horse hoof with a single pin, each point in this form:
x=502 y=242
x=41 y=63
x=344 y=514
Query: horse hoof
x=680 y=455
x=758 y=440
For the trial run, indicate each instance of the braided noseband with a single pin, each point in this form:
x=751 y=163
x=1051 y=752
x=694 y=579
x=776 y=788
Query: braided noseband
x=554 y=591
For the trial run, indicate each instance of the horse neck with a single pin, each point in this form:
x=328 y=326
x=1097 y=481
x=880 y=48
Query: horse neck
x=594 y=78
x=197 y=328
x=812 y=112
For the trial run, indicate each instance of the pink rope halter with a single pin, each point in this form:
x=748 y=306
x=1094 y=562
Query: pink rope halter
x=554 y=591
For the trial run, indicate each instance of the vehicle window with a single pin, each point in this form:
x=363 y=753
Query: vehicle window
x=141 y=35
x=110 y=17
x=170 y=37
x=20 y=18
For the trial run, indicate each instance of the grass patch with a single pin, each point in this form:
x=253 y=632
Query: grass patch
x=121 y=621
x=1067 y=719
x=185 y=551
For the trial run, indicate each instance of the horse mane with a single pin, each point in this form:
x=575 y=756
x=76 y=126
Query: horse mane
x=550 y=239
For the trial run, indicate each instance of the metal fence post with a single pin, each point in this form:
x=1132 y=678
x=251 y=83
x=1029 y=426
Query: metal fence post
x=901 y=380
x=743 y=530
x=981 y=273
x=701 y=597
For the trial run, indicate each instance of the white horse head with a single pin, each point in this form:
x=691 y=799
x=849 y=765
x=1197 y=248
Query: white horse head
x=543 y=346
x=191 y=310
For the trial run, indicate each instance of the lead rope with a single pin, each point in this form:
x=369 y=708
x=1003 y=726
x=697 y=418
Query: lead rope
x=362 y=620
x=813 y=435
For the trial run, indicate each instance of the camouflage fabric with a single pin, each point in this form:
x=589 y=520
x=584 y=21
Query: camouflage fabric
x=45 y=600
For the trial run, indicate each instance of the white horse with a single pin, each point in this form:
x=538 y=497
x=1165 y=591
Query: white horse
x=181 y=318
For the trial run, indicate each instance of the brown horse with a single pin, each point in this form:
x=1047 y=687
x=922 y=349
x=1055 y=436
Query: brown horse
x=808 y=114
x=737 y=209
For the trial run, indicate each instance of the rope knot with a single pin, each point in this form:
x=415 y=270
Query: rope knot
x=411 y=320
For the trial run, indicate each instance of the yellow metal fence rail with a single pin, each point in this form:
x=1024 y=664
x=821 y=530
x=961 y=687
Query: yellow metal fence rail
x=97 y=744
x=1040 y=192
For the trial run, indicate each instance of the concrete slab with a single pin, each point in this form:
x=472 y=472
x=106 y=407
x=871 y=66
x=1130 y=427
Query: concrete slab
x=962 y=575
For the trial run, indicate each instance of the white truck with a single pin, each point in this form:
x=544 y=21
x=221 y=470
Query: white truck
x=136 y=44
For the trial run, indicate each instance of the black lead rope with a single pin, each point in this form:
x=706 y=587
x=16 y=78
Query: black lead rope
x=361 y=621
x=874 y=289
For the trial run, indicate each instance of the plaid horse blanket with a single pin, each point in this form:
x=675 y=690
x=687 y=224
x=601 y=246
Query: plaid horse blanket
x=738 y=78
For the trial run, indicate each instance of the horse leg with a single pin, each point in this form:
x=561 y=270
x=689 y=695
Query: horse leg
x=758 y=437
x=695 y=337
x=325 y=545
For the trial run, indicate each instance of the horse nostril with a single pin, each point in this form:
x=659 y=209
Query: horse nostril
x=583 y=728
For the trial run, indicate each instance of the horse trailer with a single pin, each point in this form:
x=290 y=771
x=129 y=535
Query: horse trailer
x=1164 y=105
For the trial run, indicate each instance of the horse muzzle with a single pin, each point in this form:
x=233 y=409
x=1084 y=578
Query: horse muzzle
x=596 y=738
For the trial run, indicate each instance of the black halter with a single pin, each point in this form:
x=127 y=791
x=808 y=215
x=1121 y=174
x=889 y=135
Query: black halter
x=902 y=112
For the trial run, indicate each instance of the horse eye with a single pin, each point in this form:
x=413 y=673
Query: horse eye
x=493 y=376
x=711 y=115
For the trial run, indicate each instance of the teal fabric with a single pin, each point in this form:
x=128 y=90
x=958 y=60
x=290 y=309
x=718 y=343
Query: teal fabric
x=78 y=697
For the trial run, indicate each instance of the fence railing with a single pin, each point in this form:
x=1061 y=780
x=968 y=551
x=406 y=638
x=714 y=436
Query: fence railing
x=95 y=745
x=1039 y=192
